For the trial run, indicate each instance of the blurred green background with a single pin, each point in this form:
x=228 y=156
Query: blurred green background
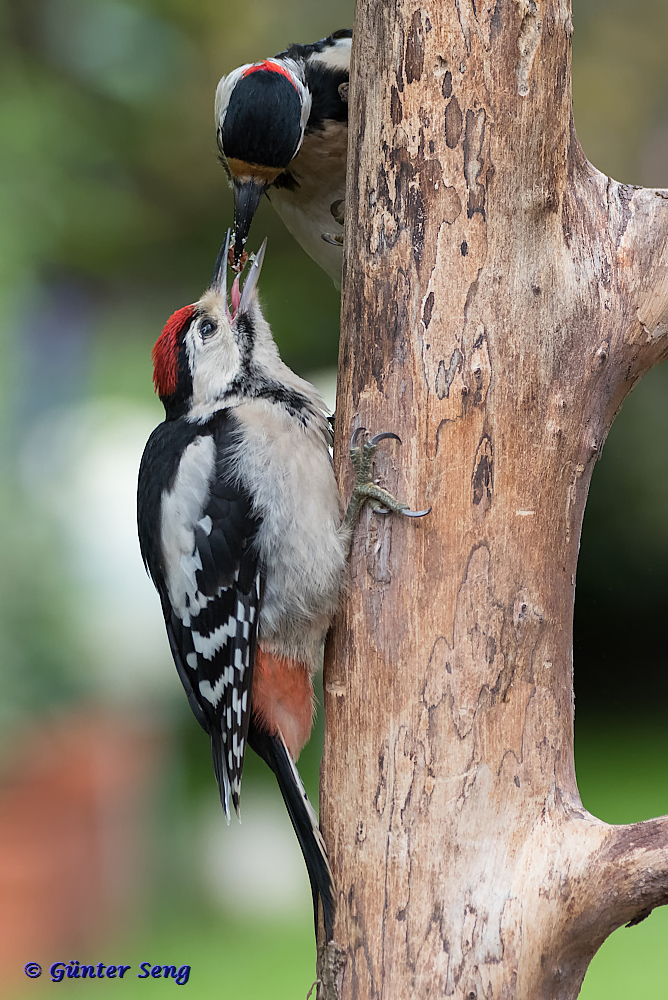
x=112 y=207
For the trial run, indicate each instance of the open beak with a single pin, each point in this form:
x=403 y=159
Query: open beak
x=239 y=298
x=247 y=196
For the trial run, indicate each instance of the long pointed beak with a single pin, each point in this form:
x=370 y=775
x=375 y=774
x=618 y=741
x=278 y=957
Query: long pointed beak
x=219 y=278
x=252 y=278
x=247 y=196
x=239 y=300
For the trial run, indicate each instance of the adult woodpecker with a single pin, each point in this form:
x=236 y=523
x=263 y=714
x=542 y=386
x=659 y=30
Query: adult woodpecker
x=241 y=530
x=282 y=130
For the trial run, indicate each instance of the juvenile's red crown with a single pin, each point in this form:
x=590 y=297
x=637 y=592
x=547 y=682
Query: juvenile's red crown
x=165 y=353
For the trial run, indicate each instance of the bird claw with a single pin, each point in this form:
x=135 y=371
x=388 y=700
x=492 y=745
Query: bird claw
x=338 y=211
x=383 y=436
x=366 y=490
x=373 y=442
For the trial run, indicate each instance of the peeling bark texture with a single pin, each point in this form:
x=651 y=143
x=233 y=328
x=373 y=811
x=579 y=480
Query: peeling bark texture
x=501 y=297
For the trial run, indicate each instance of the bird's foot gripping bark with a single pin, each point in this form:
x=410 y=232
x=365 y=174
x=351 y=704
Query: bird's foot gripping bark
x=366 y=490
x=338 y=214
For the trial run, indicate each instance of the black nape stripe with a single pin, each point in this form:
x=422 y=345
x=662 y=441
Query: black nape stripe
x=326 y=104
x=245 y=338
x=263 y=120
x=294 y=402
x=244 y=384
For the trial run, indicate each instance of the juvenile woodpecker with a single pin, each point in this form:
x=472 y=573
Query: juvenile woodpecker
x=241 y=530
x=282 y=130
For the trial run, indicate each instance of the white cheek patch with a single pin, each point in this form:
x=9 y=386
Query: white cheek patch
x=215 y=366
x=296 y=76
x=337 y=56
x=224 y=92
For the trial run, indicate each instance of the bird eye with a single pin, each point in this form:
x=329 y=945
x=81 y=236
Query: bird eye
x=207 y=328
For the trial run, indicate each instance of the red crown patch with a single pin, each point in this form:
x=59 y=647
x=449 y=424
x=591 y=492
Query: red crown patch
x=269 y=67
x=165 y=351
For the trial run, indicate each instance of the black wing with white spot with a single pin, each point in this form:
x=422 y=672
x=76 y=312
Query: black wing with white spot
x=202 y=558
x=302 y=52
x=326 y=68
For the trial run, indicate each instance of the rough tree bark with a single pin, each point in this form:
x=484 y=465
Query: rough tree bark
x=501 y=297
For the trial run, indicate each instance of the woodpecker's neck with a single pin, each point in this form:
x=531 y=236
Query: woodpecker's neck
x=260 y=375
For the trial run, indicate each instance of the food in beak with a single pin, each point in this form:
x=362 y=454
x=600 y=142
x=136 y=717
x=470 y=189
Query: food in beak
x=239 y=297
x=238 y=266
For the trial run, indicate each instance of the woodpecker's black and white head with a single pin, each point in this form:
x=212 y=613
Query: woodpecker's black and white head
x=281 y=128
x=261 y=114
x=209 y=352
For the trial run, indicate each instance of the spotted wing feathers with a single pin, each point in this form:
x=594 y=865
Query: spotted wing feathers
x=206 y=570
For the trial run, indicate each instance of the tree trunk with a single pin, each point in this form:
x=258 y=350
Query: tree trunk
x=501 y=297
